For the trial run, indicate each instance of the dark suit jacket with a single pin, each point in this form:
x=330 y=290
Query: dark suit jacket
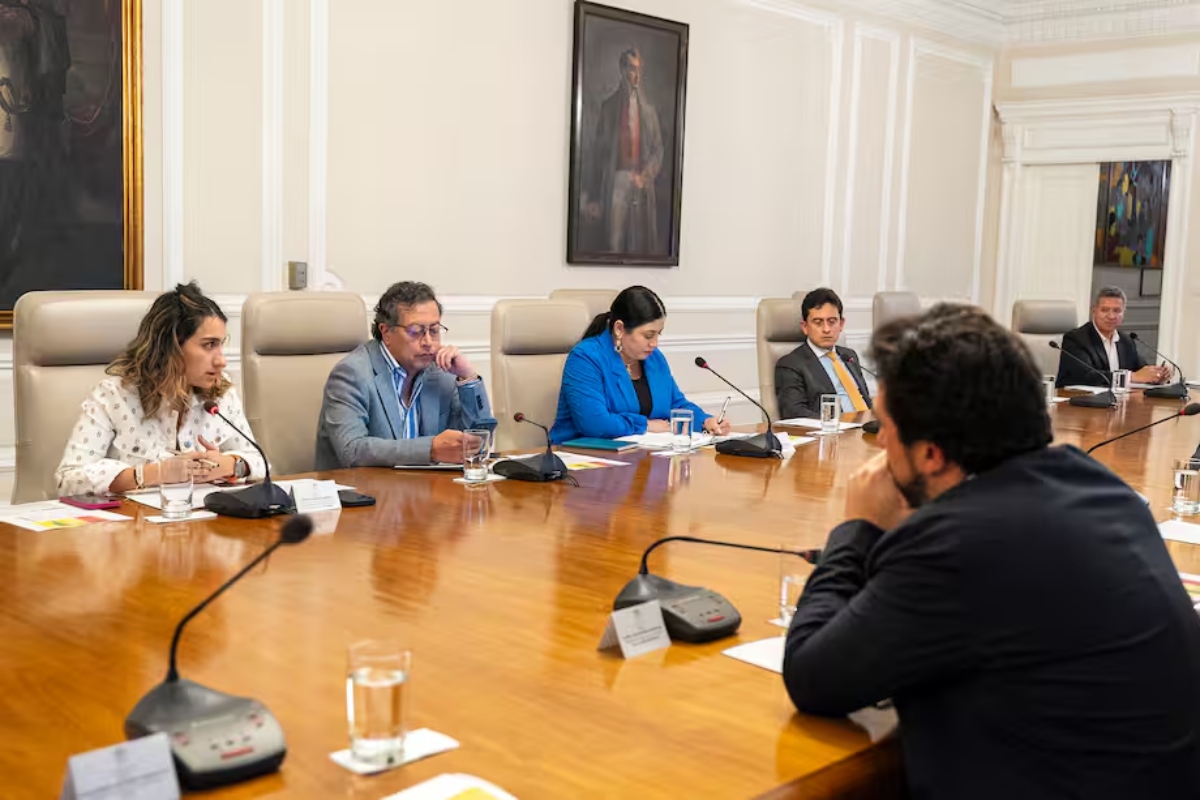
x=1085 y=342
x=1031 y=629
x=800 y=380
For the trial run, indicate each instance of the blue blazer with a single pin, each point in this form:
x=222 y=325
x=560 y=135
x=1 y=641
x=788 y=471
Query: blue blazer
x=597 y=399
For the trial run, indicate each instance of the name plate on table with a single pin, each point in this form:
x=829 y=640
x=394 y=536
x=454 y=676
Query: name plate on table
x=311 y=496
x=637 y=630
x=140 y=769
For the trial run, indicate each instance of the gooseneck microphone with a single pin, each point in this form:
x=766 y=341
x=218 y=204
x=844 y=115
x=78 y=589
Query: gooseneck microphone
x=1190 y=410
x=1174 y=391
x=542 y=468
x=692 y=613
x=1105 y=399
x=763 y=445
x=236 y=738
x=258 y=500
x=870 y=426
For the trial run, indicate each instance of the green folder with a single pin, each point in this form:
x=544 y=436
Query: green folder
x=611 y=445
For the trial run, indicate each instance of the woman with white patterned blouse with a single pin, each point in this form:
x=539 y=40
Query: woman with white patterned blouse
x=153 y=406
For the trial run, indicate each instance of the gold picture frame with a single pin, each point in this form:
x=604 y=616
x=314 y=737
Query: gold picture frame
x=86 y=34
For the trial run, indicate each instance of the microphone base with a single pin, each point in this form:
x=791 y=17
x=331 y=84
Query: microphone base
x=1176 y=391
x=691 y=613
x=194 y=717
x=542 y=468
x=1102 y=400
x=763 y=445
x=259 y=500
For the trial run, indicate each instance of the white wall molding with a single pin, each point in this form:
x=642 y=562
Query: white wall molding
x=1076 y=20
x=272 y=145
x=976 y=21
x=318 y=142
x=834 y=28
x=917 y=49
x=172 y=126
x=1111 y=66
x=892 y=39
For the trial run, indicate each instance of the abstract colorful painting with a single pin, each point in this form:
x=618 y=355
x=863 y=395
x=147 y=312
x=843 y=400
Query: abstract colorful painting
x=1131 y=216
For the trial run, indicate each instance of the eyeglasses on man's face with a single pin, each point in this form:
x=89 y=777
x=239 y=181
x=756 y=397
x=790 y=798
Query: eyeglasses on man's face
x=419 y=332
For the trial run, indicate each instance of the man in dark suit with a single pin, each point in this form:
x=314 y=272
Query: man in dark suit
x=1098 y=344
x=1015 y=600
x=818 y=366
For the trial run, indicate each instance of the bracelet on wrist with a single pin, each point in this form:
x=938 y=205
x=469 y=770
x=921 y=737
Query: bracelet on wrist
x=139 y=476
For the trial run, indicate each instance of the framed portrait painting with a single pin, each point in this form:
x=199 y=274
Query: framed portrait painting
x=70 y=146
x=627 y=113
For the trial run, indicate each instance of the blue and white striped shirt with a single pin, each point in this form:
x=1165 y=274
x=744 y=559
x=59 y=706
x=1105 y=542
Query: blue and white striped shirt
x=412 y=411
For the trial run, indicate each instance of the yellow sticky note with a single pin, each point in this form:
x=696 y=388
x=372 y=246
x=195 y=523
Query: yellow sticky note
x=474 y=794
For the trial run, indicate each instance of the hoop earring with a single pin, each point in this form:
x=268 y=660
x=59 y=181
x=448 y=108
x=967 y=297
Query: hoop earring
x=617 y=346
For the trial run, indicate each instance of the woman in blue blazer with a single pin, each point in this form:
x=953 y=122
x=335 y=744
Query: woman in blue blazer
x=616 y=383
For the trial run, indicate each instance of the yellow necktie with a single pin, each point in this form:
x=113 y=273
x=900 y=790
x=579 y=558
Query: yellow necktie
x=848 y=383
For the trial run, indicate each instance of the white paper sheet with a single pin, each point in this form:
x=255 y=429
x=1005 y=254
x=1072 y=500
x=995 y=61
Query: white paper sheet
x=417 y=745
x=765 y=653
x=815 y=424
x=450 y=786
x=1178 y=531
x=1087 y=389
x=53 y=515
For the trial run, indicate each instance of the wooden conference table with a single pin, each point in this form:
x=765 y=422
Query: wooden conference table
x=502 y=593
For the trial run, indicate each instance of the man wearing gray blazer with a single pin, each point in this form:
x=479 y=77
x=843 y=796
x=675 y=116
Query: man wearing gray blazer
x=819 y=366
x=403 y=397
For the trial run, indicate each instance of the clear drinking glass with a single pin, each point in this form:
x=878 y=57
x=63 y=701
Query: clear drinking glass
x=791 y=583
x=377 y=674
x=1050 y=389
x=1185 y=500
x=175 y=487
x=1120 y=381
x=681 y=429
x=477 y=445
x=831 y=412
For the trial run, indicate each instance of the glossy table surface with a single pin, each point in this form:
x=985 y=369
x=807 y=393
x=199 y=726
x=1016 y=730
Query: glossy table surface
x=502 y=593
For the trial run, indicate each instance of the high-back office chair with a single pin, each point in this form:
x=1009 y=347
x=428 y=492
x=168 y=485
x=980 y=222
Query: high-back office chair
x=887 y=306
x=530 y=343
x=1040 y=322
x=62 y=341
x=290 y=342
x=597 y=301
x=778 y=334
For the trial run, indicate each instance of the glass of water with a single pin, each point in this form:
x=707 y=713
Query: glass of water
x=1120 y=383
x=1185 y=500
x=175 y=487
x=831 y=408
x=1049 y=388
x=791 y=584
x=681 y=429
x=477 y=446
x=377 y=675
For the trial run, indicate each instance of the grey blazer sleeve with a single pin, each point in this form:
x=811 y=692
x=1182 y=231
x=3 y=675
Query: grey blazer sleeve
x=346 y=420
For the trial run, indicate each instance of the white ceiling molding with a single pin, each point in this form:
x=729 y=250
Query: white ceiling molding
x=1110 y=66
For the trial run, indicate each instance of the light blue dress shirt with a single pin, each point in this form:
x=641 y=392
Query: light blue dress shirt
x=827 y=363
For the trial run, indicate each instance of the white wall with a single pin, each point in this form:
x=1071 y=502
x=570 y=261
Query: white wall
x=382 y=140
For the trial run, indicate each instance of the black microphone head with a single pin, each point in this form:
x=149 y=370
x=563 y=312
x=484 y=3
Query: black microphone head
x=296 y=529
x=701 y=363
x=518 y=417
x=1054 y=344
x=1190 y=410
x=211 y=406
x=1133 y=336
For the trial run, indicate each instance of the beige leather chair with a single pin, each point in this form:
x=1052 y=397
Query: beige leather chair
x=888 y=306
x=290 y=342
x=62 y=342
x=778 y=334
x=597 y=301
x=530 y=343
x=1040 y=322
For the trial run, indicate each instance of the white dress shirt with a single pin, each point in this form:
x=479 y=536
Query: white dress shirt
x=1110 y=347
x=112 y=434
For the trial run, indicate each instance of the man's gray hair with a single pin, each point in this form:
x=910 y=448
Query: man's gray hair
x=1110 y=291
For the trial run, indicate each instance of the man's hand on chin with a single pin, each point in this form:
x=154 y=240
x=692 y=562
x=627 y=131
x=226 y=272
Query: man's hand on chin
x=871 y=495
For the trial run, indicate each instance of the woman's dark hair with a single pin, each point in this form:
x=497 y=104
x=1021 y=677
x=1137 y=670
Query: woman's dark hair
x=634 y=306
x=955 y=377
x=153 y=362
